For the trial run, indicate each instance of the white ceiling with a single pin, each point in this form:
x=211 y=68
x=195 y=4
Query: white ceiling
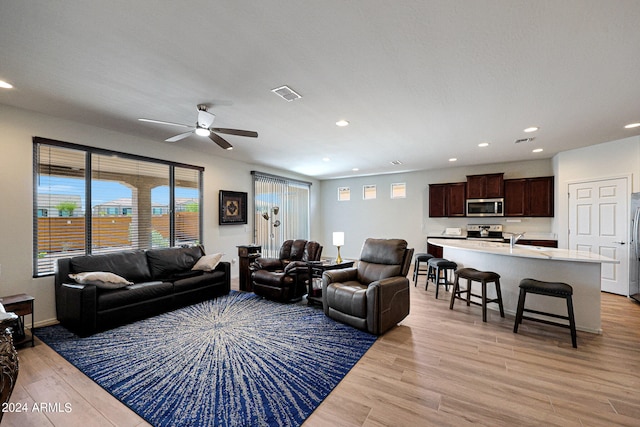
x=420 y=81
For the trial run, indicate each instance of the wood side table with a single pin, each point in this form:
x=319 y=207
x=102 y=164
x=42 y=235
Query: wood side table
x=247 y=254
x=22 y=305
x=316 y=268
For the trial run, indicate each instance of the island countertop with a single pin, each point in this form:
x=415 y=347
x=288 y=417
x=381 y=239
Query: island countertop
x=524 y=251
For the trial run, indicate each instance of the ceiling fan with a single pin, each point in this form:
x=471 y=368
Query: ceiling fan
x=203 y=128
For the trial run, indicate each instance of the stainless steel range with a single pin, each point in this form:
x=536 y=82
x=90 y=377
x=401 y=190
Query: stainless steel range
x=492 y=232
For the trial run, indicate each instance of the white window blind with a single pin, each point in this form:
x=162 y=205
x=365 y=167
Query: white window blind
x=281 y=211
x=90 y=201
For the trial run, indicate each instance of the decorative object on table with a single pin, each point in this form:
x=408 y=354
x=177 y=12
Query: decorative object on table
x=151 y=365
x=284 y=278
x=233 y=207
x=376 y=295
x=8 y=367
x=338 y=240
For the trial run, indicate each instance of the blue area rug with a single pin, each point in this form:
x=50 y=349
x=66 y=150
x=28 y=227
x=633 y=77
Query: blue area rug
x=236 y=360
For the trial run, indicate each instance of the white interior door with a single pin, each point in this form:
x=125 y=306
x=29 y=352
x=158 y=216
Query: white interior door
x=598 y=223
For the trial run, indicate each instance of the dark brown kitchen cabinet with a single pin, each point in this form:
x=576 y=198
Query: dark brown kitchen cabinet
x=485 y=186
x=447 y=199
x=529 y=197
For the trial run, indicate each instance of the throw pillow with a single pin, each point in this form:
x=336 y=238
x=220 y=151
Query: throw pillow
x=207 y=262
x=101 y=279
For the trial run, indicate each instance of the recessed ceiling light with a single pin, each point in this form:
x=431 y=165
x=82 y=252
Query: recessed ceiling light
x=326 y=159
x=5 y=85
x=453 y=159
x=632 y=125
x=531 y=129
x=355 y=169
x=342 y=123
x=483 y=144
x=537 y=150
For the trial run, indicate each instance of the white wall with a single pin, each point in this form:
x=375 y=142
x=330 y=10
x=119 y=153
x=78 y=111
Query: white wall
x=17 y=127
x=409 y=218
x=608 y=160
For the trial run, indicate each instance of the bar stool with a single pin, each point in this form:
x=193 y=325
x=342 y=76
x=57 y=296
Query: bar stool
x=551 y=289
x=436 y=267
x=484 y=277
x=420 y=258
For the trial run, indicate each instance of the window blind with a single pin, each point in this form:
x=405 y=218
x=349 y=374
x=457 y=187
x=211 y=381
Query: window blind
x=281 y=211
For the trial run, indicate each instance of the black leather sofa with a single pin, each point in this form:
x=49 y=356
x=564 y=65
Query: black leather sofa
x=162 y=281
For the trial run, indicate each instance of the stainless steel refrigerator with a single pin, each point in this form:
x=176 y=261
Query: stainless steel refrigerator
x=634 y=251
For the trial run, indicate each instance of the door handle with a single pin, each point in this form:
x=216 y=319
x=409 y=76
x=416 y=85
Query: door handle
x=621 y=243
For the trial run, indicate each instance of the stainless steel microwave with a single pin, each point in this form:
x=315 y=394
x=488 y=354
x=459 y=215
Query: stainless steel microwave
x=485 y=207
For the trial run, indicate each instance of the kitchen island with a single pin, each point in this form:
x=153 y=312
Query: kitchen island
x=579 y=269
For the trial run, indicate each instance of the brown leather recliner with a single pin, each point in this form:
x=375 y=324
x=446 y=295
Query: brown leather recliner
x=283 y=278
x=374 y=296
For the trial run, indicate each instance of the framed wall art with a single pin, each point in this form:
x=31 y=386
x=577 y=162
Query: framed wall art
x=233 y=207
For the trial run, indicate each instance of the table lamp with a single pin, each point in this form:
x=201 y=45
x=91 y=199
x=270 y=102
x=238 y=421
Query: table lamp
x=338 y=240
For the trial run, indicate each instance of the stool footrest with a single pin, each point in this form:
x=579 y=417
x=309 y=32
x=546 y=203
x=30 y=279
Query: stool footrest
x=547 y=322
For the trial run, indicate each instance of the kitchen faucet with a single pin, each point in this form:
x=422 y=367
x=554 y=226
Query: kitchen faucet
x=514 y=238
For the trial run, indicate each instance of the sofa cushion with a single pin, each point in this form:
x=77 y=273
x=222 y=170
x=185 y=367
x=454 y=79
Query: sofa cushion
x=200 y=281
x=207 y=262
x=164 y=263
x=101 y=279
x=133 y=294
x=132 y=265
x=349 y=297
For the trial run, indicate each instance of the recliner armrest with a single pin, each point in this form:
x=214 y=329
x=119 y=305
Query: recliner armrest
x=338 y=276
x=270 y=264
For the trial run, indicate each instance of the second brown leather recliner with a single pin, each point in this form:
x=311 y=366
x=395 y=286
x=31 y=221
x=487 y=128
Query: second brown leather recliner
x=283 y=278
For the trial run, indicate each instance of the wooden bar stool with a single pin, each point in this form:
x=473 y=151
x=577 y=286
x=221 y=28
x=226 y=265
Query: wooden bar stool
x=417 y=271
x=439 y=271
x=484 y=277
x=551 y=289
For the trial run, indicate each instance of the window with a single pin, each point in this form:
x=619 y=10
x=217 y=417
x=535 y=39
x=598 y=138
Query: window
x=91 y=201
x=399 y=190
x=344 y=194
x=281 y=211
x=368 y=192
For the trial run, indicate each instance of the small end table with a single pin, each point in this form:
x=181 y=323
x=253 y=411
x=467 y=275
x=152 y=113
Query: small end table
x=316 y=268
x=22 y=305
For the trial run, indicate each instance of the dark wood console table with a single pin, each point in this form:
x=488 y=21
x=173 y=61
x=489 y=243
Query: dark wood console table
x=246 y=255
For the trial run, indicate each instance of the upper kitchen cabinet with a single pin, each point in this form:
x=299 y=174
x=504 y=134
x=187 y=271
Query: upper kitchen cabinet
x=447 y=199
x=529 y=197
x=485 y=186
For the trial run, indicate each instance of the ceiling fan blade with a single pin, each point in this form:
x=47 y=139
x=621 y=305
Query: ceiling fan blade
x=205 y=118
x=164 y=123
x=179 y=137
x=220 y=141
x=238 y=132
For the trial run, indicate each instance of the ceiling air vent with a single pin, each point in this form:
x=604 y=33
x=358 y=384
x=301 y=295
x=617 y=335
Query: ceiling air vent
x=396 y=162
x=518 y=141
x=286 y=93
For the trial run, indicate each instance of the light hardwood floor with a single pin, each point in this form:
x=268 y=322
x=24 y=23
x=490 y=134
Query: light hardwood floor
x=439 y=367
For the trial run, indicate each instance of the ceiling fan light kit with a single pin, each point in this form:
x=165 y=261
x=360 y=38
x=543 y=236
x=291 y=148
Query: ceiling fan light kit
x=203 y=128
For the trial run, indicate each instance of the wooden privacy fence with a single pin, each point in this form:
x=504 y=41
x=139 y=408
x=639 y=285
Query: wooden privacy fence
x=61 y=234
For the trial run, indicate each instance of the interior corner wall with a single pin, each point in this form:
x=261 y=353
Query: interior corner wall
x=408 y=218
x=18 y=127
x=607 y=160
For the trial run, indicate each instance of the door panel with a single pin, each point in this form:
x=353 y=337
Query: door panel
x=598 y=223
